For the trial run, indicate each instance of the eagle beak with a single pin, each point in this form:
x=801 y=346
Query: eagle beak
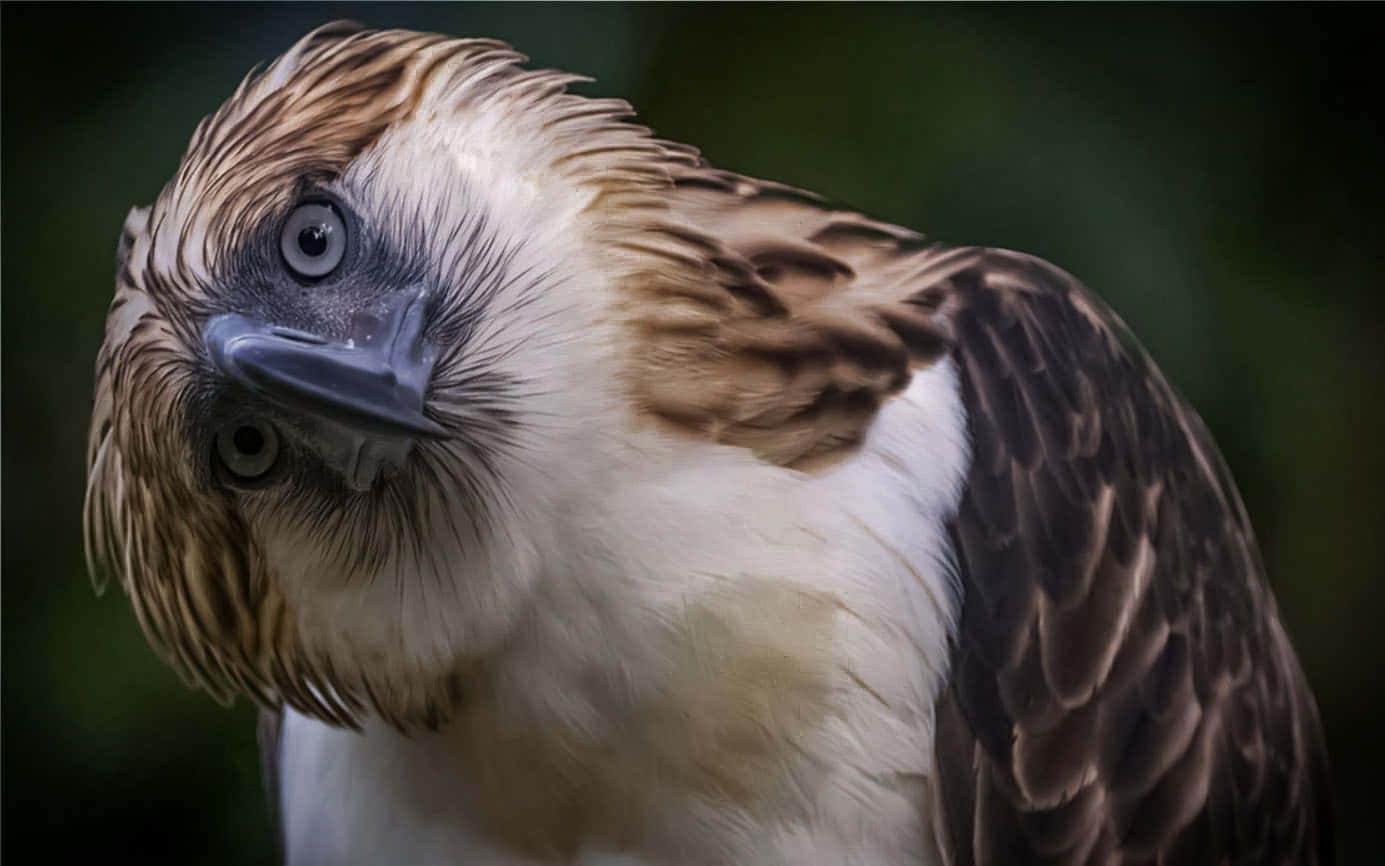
x=373 y=383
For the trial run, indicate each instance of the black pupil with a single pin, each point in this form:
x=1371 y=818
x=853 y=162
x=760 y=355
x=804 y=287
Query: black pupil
x=313 y=240
x=248 y=440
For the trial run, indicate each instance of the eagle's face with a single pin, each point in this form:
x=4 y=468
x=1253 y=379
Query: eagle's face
x=359 y=349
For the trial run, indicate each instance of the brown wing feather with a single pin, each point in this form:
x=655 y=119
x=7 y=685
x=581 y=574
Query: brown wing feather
x=1122 y=690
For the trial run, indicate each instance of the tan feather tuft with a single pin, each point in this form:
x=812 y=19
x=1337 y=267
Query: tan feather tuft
x=765 y=319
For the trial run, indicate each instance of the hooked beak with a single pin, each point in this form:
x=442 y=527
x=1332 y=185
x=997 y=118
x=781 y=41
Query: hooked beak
x=373 y=383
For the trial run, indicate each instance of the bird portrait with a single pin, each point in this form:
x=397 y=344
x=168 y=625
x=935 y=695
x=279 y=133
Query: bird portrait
x=559 y=497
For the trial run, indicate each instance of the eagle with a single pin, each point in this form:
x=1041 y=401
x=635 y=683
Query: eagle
x=562 y=498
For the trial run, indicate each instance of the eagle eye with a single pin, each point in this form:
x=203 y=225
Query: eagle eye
x=248 y=448
x=313 y=241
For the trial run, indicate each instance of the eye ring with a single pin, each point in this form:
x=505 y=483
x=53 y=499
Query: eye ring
x=248 y=448
x=313 y=240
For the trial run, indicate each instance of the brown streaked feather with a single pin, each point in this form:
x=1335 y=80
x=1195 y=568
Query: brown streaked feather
x=767 y=320
x=1122 y=691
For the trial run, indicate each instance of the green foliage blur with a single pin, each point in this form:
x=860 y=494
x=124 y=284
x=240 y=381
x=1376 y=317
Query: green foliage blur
x=1214 y=172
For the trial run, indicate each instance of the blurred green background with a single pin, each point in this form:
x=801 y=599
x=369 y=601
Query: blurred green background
x=1214 y=172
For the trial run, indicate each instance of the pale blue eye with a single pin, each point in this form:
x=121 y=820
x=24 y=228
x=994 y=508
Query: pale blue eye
x=248 y=447
x=313 y=241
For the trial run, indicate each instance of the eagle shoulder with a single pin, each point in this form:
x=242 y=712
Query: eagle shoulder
x=1121 y=687
x=764 y=318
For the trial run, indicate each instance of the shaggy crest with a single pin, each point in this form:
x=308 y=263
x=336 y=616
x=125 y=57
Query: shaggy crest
x=199 y=586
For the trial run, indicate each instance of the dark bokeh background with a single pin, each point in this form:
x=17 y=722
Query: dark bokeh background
x=1216 y=173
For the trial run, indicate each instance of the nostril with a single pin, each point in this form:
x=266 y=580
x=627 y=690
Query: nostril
x=297 y=336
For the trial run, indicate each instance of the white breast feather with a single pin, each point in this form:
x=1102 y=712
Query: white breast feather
x=853 y=787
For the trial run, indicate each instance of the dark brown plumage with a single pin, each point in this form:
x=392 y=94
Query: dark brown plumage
x=1122 y=690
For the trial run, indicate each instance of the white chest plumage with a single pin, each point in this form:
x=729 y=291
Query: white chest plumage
x=748 y=677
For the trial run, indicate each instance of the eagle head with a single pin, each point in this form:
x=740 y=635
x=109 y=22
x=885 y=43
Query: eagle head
x=363 y=367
